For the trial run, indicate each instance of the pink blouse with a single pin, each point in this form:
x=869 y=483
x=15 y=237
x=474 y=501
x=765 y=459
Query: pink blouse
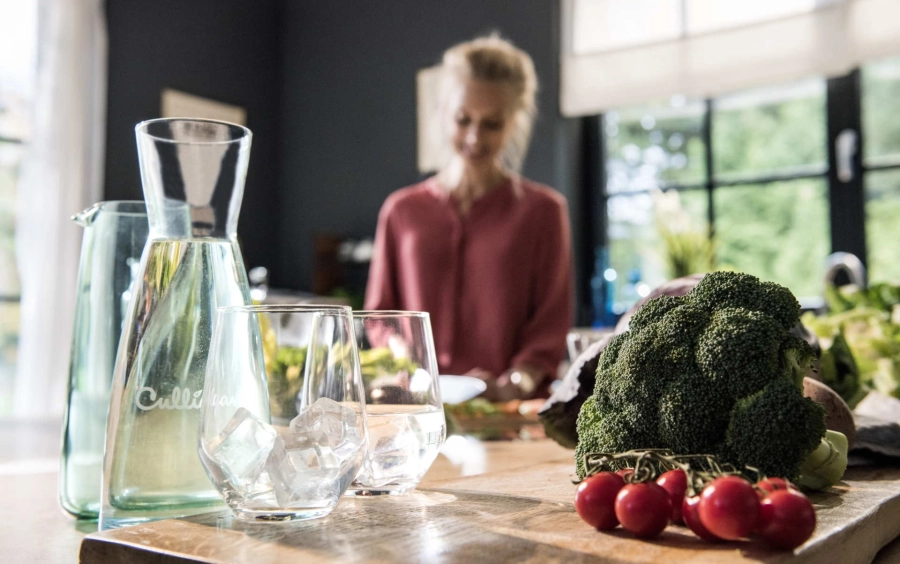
x=497 y=284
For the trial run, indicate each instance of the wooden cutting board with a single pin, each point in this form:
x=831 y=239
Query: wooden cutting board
x=520 y=515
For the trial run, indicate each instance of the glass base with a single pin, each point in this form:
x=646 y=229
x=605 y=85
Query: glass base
x=81 y=512
x=357 y=490
x=115 y=519
x=280 y=516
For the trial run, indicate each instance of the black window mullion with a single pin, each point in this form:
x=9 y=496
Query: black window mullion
x=710 y=183
x=846 y=197
x=592 y=212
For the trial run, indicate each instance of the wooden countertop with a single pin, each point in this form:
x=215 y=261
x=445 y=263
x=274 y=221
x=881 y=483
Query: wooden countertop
x=481 y=501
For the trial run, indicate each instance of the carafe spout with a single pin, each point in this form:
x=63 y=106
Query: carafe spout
x=87 y=217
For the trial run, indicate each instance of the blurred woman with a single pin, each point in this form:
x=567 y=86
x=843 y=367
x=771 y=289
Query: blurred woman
x=483 y=250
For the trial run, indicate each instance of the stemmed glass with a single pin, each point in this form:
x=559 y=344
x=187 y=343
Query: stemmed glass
x=403 y=401
x=283 y=422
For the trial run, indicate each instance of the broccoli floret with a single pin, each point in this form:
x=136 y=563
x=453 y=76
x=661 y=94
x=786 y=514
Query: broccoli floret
x=611 y=352
x=590 y=435
x=608 y=431
x=775 y=429
x=719 y=290
x=679 y=428
x=714 y=372
x=640 y=352
x=797 y=358
x=740 y=348
x=653 y=310
x=780 y=303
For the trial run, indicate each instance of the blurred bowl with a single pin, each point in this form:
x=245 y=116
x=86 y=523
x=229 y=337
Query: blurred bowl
x=457 y=389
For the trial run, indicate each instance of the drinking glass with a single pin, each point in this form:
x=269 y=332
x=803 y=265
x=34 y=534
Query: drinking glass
x=403 y=400
x=283 y=421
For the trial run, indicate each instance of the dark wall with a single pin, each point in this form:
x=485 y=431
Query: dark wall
x=329 y=87
x=349 y=119
x=226 y=50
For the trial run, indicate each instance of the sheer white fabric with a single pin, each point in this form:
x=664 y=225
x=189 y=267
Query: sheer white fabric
x=626 y=52
x=61 y=175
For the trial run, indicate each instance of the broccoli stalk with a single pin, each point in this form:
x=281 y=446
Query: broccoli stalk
x=716 y=371
x=826 y=464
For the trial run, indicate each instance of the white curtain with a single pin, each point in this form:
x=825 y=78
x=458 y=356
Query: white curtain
x=625 y=52
x=61 y=175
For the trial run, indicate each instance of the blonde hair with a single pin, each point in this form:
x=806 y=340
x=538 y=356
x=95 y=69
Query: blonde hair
x=493 y=59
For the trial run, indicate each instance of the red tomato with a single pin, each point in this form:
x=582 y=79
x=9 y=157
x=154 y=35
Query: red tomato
x=692 y=519
x=675 y=483
x=729 y=507
x=625 y=472
x=643 y=509
x=786 y=519
x=595 y=500
x=768 y=485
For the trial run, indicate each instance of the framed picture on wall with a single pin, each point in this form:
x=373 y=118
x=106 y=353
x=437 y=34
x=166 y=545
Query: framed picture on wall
x=432 y=150
x=175 y=103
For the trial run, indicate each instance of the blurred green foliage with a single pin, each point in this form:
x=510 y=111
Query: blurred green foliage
x=866 y=323
x=777 y=231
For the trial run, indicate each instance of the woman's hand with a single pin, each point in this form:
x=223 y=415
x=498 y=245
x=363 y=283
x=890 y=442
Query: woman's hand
x=486 y=376
x=516 y=383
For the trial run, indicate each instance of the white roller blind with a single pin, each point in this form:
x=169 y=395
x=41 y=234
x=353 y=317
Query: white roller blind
x=625 y=52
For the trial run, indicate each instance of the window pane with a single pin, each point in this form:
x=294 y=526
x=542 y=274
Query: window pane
x=881 y=112
x=882 y=227
x=10 y=155
x=638 y=257
x=777 y=231
x=9 y=340
x=654 y=146
x=770 y=131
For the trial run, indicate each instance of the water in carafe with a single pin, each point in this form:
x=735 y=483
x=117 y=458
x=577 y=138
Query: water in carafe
x=193 y=175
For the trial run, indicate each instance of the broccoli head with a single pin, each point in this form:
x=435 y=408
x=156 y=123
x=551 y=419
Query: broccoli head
x=716 y=371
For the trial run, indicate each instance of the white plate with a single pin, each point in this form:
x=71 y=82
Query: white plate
x=457 y=389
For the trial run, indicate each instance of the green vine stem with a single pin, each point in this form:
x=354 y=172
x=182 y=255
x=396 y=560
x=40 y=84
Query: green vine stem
x=649 y=464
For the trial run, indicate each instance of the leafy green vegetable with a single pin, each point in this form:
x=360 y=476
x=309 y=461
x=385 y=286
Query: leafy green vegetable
x=714 y=372
x=286 y=366
x=285 y=380
x=860 y=339
x=380 y=361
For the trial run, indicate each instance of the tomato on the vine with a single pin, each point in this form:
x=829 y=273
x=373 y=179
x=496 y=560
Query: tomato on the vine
x=675 y=483
x=643 y=508
x=770 y=485
x=625 y=472
x=595 y=500
x=692 y=519
x=729 y=507
x=786 y=519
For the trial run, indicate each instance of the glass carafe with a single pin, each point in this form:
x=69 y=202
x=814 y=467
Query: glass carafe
x=114 y=236
x=193 y=174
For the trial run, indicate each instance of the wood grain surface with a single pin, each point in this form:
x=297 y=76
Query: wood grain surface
x=522 y=514
x=485 y=501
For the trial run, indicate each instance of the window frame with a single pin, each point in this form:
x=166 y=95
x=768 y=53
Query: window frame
x=9 y=298
x=846 y=198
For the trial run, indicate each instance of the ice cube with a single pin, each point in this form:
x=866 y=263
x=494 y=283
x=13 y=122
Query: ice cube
x=298 y=479
x=242 y=448
x=328 y=423
x=394 y=454
x=313 y=463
